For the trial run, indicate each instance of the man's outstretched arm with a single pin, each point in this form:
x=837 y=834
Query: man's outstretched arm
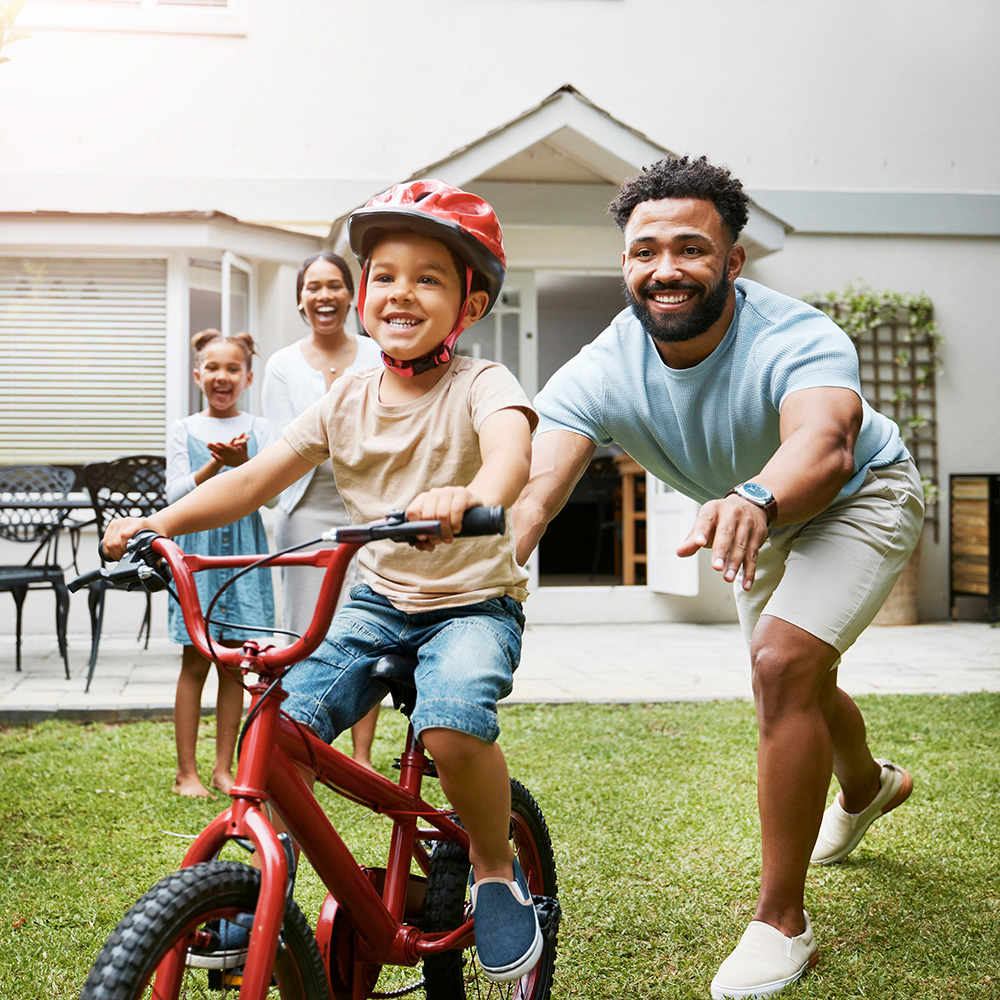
x=558 y=460
x=816 y=458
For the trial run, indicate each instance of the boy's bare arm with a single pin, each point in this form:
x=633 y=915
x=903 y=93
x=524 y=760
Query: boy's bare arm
x=218 y=501
x=505 y=449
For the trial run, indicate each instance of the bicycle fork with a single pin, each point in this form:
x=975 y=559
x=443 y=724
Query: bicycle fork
x=246 y=819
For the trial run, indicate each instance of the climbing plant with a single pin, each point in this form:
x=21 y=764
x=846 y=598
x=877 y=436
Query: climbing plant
x=898 y=347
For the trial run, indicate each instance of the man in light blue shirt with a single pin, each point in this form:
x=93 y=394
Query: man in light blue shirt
x=750 y=402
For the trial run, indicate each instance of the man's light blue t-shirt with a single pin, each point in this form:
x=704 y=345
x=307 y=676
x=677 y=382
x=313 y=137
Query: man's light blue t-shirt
x=705 y=429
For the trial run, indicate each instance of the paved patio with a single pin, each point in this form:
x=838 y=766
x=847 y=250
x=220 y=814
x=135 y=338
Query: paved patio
x=560 y=663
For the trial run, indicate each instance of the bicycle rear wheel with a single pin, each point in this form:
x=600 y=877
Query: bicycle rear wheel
x=456 y=975
x=186 y=907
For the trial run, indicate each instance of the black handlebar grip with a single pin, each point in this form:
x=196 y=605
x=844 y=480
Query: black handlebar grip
x=84 y=580
x=142 y=536
x=483 y=521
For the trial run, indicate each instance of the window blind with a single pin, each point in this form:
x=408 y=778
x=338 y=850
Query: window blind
x=82 y=359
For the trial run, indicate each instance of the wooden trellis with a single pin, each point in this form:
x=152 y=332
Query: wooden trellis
x=897 y=344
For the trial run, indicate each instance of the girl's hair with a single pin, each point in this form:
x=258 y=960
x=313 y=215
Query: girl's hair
x=331 y=258
x=243 y=340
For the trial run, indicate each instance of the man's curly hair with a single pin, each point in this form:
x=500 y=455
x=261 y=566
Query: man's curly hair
x=684 y=178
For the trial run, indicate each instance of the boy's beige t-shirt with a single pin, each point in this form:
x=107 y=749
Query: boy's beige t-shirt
x=383 y=456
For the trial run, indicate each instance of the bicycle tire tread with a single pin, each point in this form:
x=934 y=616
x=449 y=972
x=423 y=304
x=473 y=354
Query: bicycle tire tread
x=144 y=933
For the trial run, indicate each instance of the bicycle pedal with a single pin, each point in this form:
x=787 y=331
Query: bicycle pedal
x=549 y=914
x=223 y=980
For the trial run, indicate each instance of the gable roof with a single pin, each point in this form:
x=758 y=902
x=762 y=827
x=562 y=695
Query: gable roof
x=560 y=163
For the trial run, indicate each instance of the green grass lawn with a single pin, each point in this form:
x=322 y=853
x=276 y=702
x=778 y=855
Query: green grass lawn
x=652 y=811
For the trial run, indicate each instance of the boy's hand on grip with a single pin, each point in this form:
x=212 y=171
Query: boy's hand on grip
x=446 y=504
x=118 y=534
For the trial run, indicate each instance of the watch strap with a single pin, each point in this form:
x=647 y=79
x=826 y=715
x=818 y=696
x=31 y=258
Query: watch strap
x=769 y=507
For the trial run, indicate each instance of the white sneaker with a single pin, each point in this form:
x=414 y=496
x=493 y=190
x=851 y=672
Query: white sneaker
x=842 y=831
x=764 y=962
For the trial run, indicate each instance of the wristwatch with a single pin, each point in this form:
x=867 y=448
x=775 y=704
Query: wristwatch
x=758 y=495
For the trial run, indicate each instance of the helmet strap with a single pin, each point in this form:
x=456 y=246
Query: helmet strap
x=441 y=355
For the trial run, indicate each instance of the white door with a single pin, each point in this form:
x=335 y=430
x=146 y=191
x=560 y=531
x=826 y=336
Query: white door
x=669 y=517
x=221 y=295
x=237 y=294
x=509 y=334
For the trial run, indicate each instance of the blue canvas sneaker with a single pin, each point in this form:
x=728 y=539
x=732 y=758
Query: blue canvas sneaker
x=508 y=938
x=228 y=950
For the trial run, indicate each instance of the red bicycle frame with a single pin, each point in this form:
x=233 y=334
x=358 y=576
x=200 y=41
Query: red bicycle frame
x=274 y=747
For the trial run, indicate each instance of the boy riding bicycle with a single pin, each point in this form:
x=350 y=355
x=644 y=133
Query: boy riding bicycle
x=451 y=432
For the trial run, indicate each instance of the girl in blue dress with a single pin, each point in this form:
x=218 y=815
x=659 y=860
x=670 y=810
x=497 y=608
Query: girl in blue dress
x=201 y=446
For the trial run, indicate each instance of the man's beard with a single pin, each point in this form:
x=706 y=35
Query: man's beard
x=677 y=329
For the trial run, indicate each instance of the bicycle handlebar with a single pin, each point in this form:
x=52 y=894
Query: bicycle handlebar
x=139 y=567
x=476 y=520
x=151 y=561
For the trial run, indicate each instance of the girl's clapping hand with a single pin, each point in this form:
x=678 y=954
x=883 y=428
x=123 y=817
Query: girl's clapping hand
x=230 y=453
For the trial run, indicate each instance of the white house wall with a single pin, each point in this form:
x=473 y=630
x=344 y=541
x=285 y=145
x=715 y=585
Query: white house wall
x=959 y=276
x=891 y=96
x=876 y=115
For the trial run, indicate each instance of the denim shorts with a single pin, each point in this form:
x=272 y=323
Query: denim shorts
x=466 y=661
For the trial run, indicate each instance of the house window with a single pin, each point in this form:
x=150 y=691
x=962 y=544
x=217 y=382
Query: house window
x=82 y=358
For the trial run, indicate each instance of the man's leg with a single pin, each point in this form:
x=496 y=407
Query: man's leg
x=794 y=693
x=807 y=726
x=855 y=768
x=868 y=788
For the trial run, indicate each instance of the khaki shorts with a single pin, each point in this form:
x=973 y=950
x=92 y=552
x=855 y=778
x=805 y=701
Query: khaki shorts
x=831 y=575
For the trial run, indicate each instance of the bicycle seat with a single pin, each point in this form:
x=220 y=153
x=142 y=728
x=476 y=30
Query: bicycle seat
x=395 y=671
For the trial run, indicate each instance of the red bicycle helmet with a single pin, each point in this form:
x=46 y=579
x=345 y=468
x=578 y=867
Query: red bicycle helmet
x=462 y=221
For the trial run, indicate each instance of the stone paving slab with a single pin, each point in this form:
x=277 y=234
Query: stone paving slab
x=560 y=664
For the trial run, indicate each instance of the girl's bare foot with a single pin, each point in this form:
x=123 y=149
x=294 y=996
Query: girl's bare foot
x=223 y=781
x=191 y=787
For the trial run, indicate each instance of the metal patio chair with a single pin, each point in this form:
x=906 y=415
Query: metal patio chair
x=132 y=486
x=31 y=514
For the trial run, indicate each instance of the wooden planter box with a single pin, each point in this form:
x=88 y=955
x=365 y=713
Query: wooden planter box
x=975 y=540
x=900 y=606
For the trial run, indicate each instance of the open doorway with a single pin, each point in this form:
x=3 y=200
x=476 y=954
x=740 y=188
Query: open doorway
x=582 y=545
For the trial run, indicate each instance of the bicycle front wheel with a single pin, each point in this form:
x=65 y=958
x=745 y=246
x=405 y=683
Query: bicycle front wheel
x=457 y=975
x=186 y=907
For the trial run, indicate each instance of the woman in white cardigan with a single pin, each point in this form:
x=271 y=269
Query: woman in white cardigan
x=295 y=377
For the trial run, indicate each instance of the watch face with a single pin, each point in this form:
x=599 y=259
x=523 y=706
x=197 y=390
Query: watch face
x=755 y=491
